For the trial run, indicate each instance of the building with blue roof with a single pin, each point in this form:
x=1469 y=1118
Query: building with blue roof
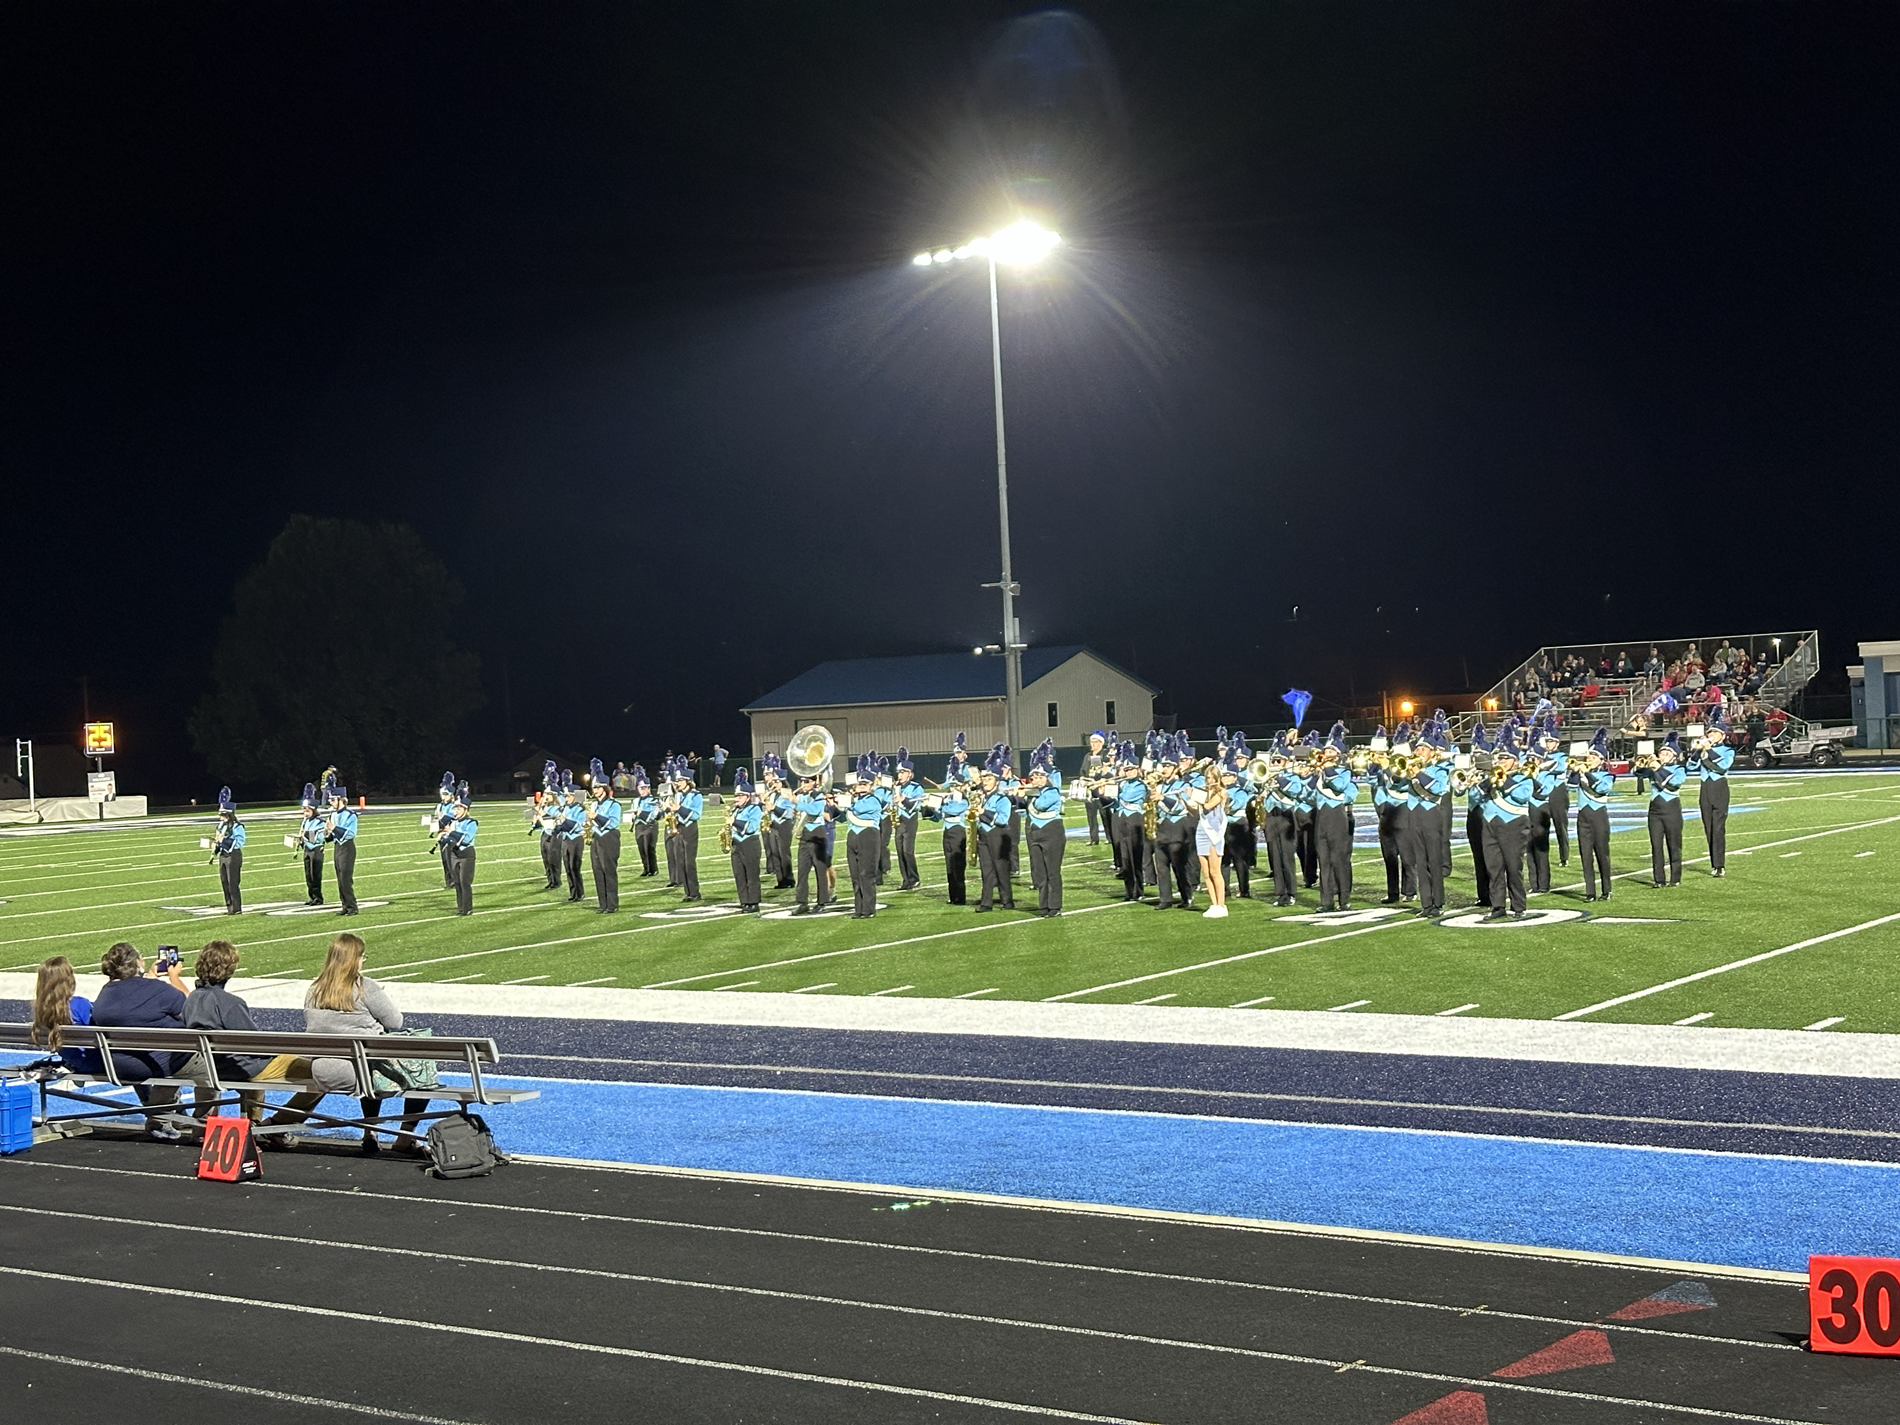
x=924 y=700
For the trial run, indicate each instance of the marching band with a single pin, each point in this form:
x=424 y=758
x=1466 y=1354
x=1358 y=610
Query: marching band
x=1184 y=826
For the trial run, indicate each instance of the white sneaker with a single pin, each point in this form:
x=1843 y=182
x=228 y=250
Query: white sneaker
x=1214 y=912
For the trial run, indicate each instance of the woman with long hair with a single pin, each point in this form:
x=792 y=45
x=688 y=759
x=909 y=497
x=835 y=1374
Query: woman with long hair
x=1210 y=840
x=57 y=1005
x=344 y=1000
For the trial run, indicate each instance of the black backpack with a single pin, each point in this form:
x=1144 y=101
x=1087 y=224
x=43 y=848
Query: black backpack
x=460 y=1146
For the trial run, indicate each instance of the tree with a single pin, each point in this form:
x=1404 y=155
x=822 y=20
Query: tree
x=339 y=649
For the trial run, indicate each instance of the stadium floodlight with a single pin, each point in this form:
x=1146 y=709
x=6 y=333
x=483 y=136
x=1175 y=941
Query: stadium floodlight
x=1017 y=245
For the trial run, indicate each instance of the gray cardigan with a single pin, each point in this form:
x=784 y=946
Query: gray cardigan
x=373 y=1013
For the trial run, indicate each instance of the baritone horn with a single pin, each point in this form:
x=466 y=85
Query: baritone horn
x=810 y=751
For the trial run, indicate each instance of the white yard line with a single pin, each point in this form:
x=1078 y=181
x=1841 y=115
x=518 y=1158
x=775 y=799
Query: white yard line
x=809 y=989
x=1446 y=1013
x=1250 y=1003
x=1694 y=1018
x=1732 y=965
x=1232 y=959
x=893 y=990
x=974 y=993
x=1157 y=999
x=1355 y=1004
x=1827 y=1023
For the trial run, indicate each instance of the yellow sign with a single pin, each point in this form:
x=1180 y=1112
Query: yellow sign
x=99 y=739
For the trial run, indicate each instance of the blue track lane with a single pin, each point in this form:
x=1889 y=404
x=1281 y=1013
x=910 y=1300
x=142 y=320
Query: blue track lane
x=1740 y=1210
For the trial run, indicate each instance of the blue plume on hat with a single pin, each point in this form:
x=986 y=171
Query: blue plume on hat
x=566 y=780
x=448 y=784
x=595 y=771
x=310 y=794
x=1311 y=739
x=1674 y=743
x=1299 y=700
x=1661 y=703
x=1220 y=739
x=224 y=801
x=741 y=783
x=1378 y=734
x=1242 y=752
x=903 y=760
x=1719 y=720
x=1338 y=737
x=960 y=745
x=461 y=793
x=1480 y=741
x=1183 y=749
x=1600 y=744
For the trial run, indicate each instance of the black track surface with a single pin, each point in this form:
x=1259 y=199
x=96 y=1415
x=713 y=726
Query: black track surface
x=559 y=1256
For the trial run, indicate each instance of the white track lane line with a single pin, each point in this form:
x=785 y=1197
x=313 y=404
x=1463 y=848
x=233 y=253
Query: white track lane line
x=1732 y=965
x=282 y=1397
x=912 y=1392
x=423 y=1254
x=1250 y=1003
x=1231 y=959
x=1444 y=1013
x=1826 y=1023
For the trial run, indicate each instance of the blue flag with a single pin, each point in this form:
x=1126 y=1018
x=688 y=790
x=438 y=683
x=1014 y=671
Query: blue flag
x=1661 y=703
x=1299 y=700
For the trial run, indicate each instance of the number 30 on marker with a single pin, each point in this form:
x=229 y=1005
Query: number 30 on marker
x=1854 y=1305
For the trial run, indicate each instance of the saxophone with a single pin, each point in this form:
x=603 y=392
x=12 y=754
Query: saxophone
x=725 y=831
x=1151 y=808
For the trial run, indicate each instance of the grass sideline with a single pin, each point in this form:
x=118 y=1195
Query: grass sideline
x=1811 y=857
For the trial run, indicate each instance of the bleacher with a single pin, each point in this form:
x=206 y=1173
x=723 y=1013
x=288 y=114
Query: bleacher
x=1570 y=676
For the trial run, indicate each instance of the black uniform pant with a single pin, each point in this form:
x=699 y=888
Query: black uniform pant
x=1015 y=843
x=1714 y=807
x=1131 y=854
x=674 y=860
x=745 y=871
x=1332 y=835
x=1239 y=852
x=230 y=873
x=1096 y=813
x=462 y=878
x=1429 y=830
x=605 y=854
x=778 y=852
x=1504 y=861
x=1173 y=858
x=1474 y=838
x=1560 y=821
x=1398 y=848
x=1281 y=840
x=646 y=836
x=551 y=860
x=862 y=851
x=689 y=859
x=569 y=850
x=1537 y=847
x=1665 y=839
x=1306 y=847
x=992 y=860
x=1593 y=848
x=884 y=835
x=814 y=852
x=906 y=838
x=1046 y=845
x=313 y=874
x=346 y=873
x=955 y=851
x=448 y=868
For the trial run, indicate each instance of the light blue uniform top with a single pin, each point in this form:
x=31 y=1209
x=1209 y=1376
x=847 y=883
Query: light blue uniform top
x=1045 y=806
x=1666 y=782
x=745 y=823
x=692 y=806
x=343 y=827
x=1713 y=765
x=606 y=813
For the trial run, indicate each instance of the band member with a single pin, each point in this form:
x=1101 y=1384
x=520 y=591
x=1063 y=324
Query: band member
x=952 y=808
x=1391 y=801
x=310 y=844
x=744 y=825
x=570 y=835
x=1593 y=780
x=992 y=833
x=1048 y=838
x=645 y=814
x=1095 y=765
x=1428 y=818
x=1306 y=843
x=1665 y=814
x=1333 y=796
x=688 y=807
x=603 y=820
x=907 y=798
x=227 y=849
x=1130 y=823
x=812 y=833
x=864 y=839
x=885 y=789
x=959 y=768
x=1556 y=797
x=1548 y=769
x=1281 y=803
x=1174 y=838
x=1240 y=851
x=1710 y=760
x=1472 y=782
x=1012 y=787
x=444 y=814
x=458 y=845
x=1506 y=811
x=671 y=772
x=341 y=834
x=547 y=824
x=779 y=809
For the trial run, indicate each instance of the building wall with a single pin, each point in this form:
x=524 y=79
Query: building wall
x=1880 y=664
x=1081 y=689
x=928 y=729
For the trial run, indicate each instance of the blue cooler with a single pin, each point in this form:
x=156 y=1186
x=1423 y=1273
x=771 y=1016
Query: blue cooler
x=16 y=1115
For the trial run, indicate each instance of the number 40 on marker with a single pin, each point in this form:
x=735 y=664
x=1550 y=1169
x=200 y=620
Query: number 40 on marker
x=1854 y=1305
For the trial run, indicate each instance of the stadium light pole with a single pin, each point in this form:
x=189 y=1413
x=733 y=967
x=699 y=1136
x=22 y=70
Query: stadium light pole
x=1017 y=245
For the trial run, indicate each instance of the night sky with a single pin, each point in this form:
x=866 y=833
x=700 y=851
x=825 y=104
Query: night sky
x=1463 y=328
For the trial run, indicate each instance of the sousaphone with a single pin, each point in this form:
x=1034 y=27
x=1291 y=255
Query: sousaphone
x=810 y=751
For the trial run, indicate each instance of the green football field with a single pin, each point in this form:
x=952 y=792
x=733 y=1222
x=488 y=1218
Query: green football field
x=1811 y=874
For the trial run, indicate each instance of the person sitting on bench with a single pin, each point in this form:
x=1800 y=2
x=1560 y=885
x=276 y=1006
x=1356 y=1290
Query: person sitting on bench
x=55 y=1005
x=133 y=999
x=343 y=1000
x=212 y=1006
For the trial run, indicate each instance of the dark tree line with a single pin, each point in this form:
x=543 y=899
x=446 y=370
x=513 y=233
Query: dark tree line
x=340 y=648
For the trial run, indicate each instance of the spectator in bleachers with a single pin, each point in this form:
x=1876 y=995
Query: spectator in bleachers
x=212 y=1006
x=1624 y=668
x=1653 y=665
x=133 y=999
x=344 y=1000
x=56 y=1005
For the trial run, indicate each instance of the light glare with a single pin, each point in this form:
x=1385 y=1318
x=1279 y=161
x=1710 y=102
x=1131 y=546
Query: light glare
x=944 y=255
x=1022 y=243
x=922 y=259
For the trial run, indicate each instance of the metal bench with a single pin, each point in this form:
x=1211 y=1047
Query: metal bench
x=361 y=1052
